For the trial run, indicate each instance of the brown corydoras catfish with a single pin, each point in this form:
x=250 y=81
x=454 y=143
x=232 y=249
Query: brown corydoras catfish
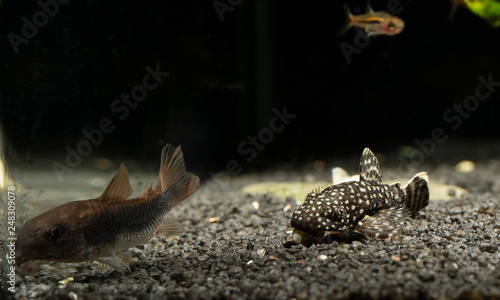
x=99 y=229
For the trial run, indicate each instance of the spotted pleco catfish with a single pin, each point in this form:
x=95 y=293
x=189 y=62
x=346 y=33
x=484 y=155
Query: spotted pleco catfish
x=366 y=206
x=100 y=229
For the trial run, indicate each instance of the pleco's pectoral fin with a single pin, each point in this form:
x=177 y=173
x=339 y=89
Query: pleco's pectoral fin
x=369 y=169
x=118 y=262
x=119 y=188
x=384 y=224
x=169 y=226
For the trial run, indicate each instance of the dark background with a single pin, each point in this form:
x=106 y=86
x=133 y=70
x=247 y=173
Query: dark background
x=227 y=76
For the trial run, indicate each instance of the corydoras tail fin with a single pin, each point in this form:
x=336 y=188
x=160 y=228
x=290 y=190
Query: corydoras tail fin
x=174 y=182
x=119 y=188
x=347 y=25
x=417 y=193
x=369 y=169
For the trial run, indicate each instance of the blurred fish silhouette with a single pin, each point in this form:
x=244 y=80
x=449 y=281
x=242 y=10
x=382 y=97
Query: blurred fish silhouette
x=373 y=22
x=100 y=229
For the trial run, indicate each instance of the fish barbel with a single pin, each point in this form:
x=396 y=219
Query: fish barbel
x=99 y=229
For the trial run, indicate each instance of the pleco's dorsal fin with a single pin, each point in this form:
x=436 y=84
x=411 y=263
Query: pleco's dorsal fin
x=319 y=189
x=369 y=169
x=119 y=188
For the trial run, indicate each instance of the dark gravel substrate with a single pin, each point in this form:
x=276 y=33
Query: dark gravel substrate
x=449 y=251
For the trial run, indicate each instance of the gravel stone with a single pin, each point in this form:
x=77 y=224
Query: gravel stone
x=449 y=251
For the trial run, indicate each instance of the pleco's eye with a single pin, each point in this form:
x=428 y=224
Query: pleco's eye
x=53 y=232
x=340 y=211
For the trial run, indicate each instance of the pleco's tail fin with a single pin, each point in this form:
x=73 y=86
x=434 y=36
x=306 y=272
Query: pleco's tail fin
x=417 y=193
x=348 y=22
x=174 y=182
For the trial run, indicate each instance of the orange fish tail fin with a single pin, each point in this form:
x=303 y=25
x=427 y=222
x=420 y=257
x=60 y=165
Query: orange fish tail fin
x=453 y=10
x=174 y=182
x=348 y=24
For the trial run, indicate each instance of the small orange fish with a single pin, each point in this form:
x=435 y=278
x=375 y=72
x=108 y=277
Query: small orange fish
x=99 y=229
x=373 y=22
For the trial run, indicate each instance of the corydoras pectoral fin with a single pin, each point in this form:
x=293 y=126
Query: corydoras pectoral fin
x=369 y=169
x=384 y=224
x=119 y=188
x=169 y=226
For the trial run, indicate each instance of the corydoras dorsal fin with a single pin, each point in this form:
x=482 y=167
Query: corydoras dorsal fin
x=119 y=188
x=369 y=169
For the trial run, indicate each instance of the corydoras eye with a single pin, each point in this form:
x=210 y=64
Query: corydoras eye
x=53 y=233
x=391 y=26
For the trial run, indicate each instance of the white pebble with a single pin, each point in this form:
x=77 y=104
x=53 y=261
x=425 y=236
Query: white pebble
x=322 y=257
x=465 y=166
x=261 y=253
x=255 y=204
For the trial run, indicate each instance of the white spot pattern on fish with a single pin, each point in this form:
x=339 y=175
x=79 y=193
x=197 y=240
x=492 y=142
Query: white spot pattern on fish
x=367 y=206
